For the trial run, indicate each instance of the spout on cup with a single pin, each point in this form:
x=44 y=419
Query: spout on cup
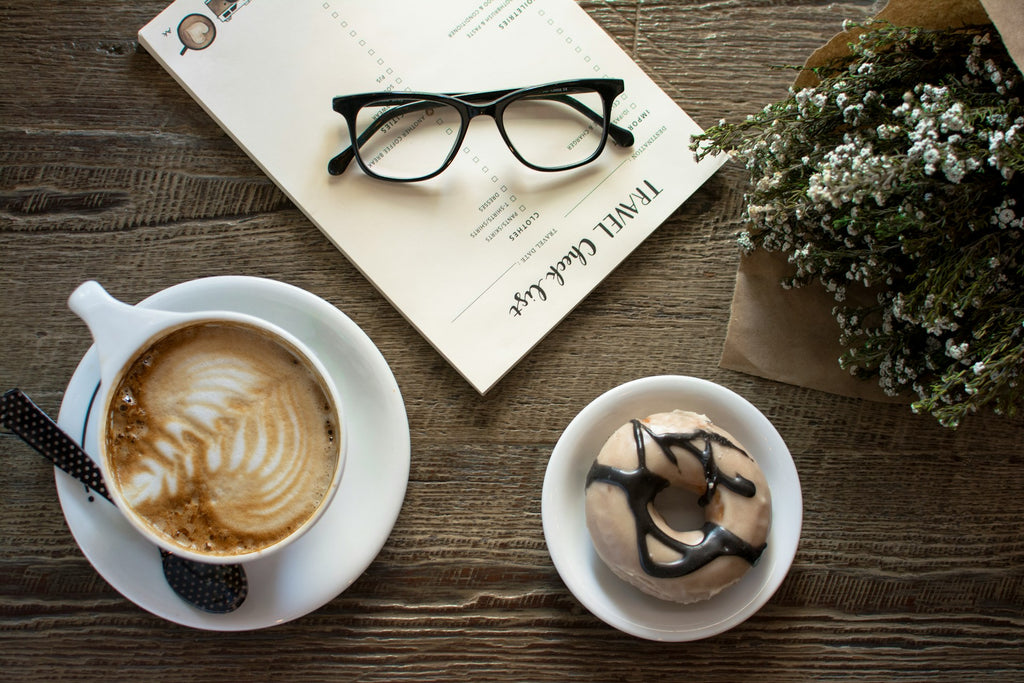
x=117 y=328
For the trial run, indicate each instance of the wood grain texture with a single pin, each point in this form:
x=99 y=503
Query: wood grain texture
x=911 y=561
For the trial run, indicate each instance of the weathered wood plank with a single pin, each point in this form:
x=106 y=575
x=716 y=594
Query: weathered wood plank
x=910 y=562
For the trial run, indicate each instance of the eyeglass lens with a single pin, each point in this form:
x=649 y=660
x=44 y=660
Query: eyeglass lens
x=551 y=131
x=409 y=138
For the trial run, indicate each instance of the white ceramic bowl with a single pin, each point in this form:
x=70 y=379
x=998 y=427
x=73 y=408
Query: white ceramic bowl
x=610 y=598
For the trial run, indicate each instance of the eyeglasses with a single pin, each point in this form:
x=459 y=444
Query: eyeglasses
x=410 y=136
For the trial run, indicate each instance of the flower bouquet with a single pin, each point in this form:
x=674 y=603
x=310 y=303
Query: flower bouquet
x=897 y=182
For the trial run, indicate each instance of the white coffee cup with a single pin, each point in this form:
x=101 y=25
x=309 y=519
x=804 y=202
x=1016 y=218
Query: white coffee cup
x=227 y=440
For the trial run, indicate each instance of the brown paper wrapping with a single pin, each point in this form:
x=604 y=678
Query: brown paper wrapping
x=789 y=335
x=1008 y=17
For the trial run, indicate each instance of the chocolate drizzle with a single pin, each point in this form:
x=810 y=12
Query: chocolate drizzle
x=642 y=485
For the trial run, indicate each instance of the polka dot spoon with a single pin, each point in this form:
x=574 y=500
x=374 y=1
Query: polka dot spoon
x=218 y=589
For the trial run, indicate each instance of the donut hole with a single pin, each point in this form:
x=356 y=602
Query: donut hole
x=679 y=508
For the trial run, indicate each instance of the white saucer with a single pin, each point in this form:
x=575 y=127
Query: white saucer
x=610 y=598
x=325 y=561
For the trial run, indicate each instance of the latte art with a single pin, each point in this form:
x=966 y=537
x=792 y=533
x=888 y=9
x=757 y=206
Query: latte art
x=222 y=439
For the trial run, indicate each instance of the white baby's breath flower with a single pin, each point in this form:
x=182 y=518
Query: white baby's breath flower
x=913 y=194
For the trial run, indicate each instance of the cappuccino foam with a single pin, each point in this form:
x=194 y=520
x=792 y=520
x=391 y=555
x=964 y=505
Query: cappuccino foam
x=222 y=439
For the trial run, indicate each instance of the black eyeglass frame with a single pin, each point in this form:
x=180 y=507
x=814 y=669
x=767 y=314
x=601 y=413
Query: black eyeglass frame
x=470 y=105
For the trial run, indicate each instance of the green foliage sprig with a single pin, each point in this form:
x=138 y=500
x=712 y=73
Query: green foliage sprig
x=902 y=175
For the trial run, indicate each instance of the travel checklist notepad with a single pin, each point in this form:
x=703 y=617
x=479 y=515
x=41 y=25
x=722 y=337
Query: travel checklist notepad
x=486 y=258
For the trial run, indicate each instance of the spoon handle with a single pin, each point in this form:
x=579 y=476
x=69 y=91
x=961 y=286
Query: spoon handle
x=23 y=417
x=217 y=589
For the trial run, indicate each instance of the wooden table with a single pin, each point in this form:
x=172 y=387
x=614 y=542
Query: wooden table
x=911 y=561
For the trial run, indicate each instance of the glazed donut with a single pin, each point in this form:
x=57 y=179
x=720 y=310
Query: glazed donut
x=645 y=456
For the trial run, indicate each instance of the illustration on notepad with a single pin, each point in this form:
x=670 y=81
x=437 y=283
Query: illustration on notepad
x=197 y=32
x=224 y=10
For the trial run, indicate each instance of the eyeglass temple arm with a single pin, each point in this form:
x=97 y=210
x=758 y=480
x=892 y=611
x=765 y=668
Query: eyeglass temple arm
x=338 y=164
